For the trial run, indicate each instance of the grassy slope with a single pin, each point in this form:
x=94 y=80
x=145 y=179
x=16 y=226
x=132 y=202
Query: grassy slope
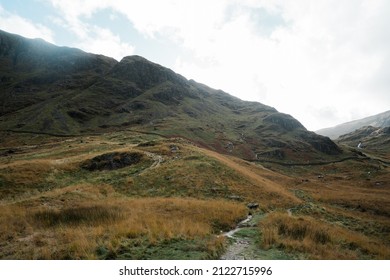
x=176 y=200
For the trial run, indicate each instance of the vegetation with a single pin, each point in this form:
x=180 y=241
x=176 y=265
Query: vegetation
x=174 y=201
x=92 y=94
x=102 y=159
x=318 y=240
x=105 y=228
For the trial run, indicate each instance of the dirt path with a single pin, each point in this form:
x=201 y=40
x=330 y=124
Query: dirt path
x=240 y=247
x=157 y=159
x=243 y=243
x=238 y=250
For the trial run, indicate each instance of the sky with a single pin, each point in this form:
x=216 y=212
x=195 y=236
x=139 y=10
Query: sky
x=324 y=62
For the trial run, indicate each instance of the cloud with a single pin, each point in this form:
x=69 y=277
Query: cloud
x=301 y=56
x=328 y=54
x=90 y=37
x=103 y=41
x=15 y=24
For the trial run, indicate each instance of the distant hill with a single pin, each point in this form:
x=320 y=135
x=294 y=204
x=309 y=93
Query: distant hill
x=65 y=91
x=375 y=140
x=380 y=120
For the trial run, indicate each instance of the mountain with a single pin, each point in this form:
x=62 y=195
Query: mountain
x=101 y=159
x=364 y=134
x=65 y=91
x=375 y=140
x=379 y=120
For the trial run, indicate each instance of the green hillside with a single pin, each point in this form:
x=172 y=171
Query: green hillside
x=64 y=91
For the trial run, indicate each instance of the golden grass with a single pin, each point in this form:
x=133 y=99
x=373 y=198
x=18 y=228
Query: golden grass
x=269 y=191
x=51 y=210
x=76 y=232
x=317 y=239
x=26 y=173
x=202 y=173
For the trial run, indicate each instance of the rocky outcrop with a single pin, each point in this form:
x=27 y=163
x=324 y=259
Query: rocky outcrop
x=321 y=143
x=285 y=121
x=111 y=161
x=365 y=132
x=144 y=73
x=368 y=137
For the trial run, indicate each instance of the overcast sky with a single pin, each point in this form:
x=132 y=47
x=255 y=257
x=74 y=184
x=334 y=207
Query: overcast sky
x=324 y=62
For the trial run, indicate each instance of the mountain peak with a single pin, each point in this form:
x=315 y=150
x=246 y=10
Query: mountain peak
x=134 y=58
x=144 y=72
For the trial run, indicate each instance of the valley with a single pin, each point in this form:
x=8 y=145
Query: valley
x=106 y=159
x=177 y=200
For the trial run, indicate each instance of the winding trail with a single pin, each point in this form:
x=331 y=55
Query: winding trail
x=241 y=245
x=238 y=250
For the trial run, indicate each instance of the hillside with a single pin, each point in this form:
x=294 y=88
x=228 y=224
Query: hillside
x=64 y=91
x=127 y=195
x=101 y=159
x=379 y=120
x=373 y=140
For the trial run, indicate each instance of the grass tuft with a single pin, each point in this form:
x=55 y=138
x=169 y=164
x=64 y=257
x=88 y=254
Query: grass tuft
x=102 y=228
x=89 y=215
x=316 y=239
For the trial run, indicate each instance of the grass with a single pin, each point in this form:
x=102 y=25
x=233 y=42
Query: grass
x=316 y=239
x=252 y=233
x=173 y=249
x=57 y=210
x=353 y=195
x=174 y=208
x=82 y=215
x=78 y=231
x=192 y=178
x=187 y=172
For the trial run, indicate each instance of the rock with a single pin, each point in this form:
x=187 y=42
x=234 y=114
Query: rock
x=111 y=161
x=252 y=205
x=277 y=153
x=235 y=197
x=229 y=146
x=283 y=120
x=174 y=148
x=321 y=143
x=9 y=152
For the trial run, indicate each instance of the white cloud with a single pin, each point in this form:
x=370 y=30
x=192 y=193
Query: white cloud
x=103 y=41
x=91 y=38
x=323 y=54
x=15 y=24
x=322 y=58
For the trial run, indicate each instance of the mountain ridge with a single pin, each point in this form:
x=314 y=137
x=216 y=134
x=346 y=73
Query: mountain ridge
x=195 y=172
x=369 y=139
x=67 y=91
x=378 y=120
